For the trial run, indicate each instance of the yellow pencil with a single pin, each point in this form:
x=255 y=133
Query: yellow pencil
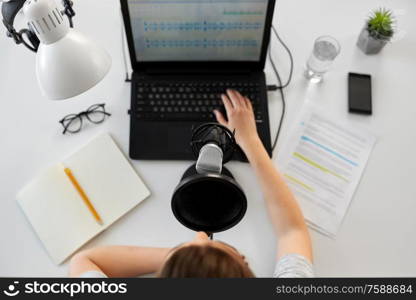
x=83 y=195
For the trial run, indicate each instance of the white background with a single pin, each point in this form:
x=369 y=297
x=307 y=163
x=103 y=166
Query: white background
x=377 y=237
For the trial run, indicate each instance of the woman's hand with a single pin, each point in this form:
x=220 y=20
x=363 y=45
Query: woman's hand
x=240 y=118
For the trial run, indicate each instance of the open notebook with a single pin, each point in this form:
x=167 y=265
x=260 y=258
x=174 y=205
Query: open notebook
x=56 y=210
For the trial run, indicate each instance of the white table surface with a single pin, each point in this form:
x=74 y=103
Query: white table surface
x=377 y=237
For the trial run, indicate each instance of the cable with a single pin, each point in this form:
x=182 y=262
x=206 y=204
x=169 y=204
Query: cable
x=272 y=61
x=281 y=86
x=123 y=49
x=274 y=88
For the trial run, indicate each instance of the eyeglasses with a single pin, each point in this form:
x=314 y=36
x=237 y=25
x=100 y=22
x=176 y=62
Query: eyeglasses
x=95 y=114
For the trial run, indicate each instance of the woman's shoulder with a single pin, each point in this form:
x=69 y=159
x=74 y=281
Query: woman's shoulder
x=293 y=265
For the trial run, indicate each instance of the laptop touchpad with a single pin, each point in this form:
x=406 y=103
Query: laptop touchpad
x=179 y=137
x=163 y=140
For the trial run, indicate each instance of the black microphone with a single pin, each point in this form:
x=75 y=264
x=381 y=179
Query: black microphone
x=207 y=197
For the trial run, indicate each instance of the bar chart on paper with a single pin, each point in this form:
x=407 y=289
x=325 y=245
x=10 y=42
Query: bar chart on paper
x=198 y=30
x=323 y=163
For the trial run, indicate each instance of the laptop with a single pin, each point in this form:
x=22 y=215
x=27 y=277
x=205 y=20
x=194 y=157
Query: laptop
x=184 y=55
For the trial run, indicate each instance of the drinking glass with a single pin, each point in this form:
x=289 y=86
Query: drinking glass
x=325 y=50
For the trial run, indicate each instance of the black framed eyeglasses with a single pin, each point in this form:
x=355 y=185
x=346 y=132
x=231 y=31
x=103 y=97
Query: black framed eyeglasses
x=95 y=114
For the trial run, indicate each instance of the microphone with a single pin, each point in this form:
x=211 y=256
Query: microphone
x=208 y=198
x=213 y=145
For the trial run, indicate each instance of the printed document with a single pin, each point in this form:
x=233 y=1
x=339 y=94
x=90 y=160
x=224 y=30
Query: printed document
x=322 y=162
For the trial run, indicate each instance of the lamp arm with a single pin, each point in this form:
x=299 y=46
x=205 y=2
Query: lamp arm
x=9 y=11
x=69 y=11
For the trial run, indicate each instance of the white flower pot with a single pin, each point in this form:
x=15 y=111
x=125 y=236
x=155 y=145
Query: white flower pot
x=369 y=44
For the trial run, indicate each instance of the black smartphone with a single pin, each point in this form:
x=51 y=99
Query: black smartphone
x=359 y=93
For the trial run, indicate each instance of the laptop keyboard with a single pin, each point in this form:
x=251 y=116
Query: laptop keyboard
x=188 y=100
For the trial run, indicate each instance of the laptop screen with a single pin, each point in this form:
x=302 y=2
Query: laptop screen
x=197 y=30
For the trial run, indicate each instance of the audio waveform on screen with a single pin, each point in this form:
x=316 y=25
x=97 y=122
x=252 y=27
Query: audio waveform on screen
x=200 y=26
x=200 y=43
x=242 y=13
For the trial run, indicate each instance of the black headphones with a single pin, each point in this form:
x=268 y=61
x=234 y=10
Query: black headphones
x=9 y=11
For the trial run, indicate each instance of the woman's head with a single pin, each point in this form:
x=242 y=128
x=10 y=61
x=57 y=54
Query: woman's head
x=203 y=258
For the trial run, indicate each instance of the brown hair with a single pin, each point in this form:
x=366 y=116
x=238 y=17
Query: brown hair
x=204 y=261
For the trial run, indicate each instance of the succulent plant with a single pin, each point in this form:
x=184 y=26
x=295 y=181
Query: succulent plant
x=380 y=24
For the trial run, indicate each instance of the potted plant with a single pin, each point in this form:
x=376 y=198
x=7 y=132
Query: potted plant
x=377 y=32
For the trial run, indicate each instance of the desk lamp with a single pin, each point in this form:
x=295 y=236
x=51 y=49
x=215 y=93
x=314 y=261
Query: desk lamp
x=67 y=63
x=208 y=198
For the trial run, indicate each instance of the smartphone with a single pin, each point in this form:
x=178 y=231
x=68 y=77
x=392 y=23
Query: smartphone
x=359 y=93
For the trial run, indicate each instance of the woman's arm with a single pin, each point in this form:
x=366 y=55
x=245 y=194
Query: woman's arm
x=118 y=261
x=283 y=209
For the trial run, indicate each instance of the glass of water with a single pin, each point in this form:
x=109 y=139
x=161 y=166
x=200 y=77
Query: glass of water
x=325 y=50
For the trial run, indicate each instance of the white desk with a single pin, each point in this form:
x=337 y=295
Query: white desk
x=377 y=237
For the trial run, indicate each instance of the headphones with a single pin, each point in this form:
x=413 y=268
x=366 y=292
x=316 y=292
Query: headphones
x=27 y=36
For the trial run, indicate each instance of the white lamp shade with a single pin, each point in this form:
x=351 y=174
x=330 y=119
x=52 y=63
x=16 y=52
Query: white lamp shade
x=70 y=66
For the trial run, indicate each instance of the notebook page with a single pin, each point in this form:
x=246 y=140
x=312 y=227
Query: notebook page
x=108 y=179
x=57 y=213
